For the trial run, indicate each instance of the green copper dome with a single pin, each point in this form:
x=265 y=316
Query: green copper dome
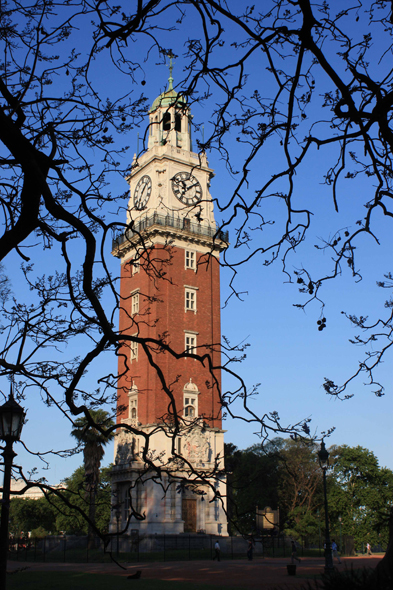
x=170 y=96
x=167 y=99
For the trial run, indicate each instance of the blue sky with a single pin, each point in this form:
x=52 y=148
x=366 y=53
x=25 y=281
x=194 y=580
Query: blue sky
x=288 y=356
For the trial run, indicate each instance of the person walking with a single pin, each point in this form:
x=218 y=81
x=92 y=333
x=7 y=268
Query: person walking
x=250 y=549
x=294 y=556
x=217 y=551
x=368 y=549
x=335 y=551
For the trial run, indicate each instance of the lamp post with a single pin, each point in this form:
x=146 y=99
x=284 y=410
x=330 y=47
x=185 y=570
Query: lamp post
x=11 y=421
x=319 y=532
x=340 y=518
x=323 y=457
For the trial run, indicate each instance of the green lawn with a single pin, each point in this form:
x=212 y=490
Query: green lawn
x=26 y=580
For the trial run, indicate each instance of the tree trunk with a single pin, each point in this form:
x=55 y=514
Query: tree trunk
x=384 y=569
x=93 y=454
x=92 y=517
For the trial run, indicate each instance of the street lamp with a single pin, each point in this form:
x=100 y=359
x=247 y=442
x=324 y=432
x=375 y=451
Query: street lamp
x=319 y=532
x=340 y=519
x=323 y=457
x=11 y=421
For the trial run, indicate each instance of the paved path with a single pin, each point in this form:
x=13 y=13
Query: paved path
x=264 y=574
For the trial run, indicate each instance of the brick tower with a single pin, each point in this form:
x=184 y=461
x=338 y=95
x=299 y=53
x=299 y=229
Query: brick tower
x=170 y=291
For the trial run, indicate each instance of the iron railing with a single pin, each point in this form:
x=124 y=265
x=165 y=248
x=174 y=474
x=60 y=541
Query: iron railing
x=182 y=224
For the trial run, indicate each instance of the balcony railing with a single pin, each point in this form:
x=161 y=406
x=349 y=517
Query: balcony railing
x=183 y=224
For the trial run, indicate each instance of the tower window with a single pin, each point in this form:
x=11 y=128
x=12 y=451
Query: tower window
x=190 y=342
x=190 y=407
x=133 y=406
x=134 y=351
x=135 y=303
x=190 y=299
x=190 y=259
x=166 y=122
x=177 y=122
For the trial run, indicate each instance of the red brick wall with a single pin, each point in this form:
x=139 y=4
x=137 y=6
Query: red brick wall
x=166 y=314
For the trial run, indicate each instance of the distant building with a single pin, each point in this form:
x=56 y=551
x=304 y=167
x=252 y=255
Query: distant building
x=18 y=484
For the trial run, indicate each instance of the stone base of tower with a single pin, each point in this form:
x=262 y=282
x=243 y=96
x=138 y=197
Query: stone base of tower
x=176 y=502
x=175 y=510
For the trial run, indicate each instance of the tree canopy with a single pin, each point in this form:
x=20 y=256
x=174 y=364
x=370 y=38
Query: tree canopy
x=55 y=516
x=286 y=474
x=360 y=492
x=70 y=520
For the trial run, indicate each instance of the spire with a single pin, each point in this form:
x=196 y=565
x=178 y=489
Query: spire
x=170 y=79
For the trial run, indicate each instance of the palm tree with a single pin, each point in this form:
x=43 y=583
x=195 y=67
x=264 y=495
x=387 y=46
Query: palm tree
x=93 y=451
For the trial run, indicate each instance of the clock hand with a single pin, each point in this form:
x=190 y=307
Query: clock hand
x=192 y=185
x=182 y=188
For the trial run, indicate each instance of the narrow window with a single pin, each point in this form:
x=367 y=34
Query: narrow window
x=190 y=300
x=134 y=351
x=166 y=122
x=190 y=407
x=177 y=122
x=190 y=341
x=135 y=303
x=190 y=259
x=133 y=405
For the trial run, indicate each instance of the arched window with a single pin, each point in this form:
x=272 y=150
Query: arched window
x=166 y=122
x=190 y=400
x=177 y=122
x=189 y=411
x=133 y=403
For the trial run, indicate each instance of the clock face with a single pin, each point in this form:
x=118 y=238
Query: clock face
x=142 y=192
x=186 y=188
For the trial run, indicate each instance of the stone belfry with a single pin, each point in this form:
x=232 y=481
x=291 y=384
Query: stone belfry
x=170 y=290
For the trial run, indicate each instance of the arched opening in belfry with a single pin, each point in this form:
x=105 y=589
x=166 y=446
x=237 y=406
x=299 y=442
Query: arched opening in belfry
x=166 y=122
x=177 y=122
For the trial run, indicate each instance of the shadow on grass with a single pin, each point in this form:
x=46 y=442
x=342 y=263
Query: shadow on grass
x=351 y=579
x=25 y=580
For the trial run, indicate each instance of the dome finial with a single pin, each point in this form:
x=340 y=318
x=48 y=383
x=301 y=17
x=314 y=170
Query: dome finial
x=170 y=97
x=170 y=79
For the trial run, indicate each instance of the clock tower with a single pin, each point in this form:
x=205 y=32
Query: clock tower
x=169 y=378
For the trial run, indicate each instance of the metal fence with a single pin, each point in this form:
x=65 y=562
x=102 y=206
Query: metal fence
x=185 y=547
x=179 y=223
x=134 y=548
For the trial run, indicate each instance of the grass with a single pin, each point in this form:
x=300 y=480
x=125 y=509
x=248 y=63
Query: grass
x=26 y=580
x=98 y=556
x=80 y=555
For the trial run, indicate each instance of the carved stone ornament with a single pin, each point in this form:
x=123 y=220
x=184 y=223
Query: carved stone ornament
x=125 y=452
x=195 y=446
x=190 y=387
